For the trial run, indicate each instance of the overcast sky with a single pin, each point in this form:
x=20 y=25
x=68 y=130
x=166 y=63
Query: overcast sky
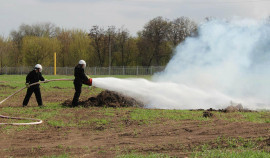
x=132 y=14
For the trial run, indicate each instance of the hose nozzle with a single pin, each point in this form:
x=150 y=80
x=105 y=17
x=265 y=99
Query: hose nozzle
x=88 y=82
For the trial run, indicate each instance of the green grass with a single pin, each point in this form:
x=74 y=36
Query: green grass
x=258 y=117
x=96 y=121
x=53 y=114
x=231 y=154
x=148 y=115
x=231 y=147
x=57 y=156
x=56 y=123
x=134 y=155
x=19 y=80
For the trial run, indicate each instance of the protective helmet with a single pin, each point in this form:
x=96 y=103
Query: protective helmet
x=38 y=66
x=82 y=62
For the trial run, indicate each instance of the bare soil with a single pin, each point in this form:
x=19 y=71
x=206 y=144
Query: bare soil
x=123 y=134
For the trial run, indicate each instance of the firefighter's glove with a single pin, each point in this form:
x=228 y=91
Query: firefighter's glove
x=27 y=85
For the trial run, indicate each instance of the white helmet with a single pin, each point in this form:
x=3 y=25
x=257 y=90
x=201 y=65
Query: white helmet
x=38 y=66
x=82 y=62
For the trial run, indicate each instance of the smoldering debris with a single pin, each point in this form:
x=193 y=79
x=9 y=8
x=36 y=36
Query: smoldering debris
x=107 y=99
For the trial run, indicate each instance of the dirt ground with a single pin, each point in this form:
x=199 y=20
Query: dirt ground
x=123 y=134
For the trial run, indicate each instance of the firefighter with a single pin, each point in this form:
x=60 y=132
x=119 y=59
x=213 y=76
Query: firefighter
x=34 y=76
x=80 y=78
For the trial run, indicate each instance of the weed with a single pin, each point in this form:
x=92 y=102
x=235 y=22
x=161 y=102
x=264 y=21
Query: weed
x=101 y=151
x=21 y=128
x=152 y=155
x=60 y=146
x=57 y=156
x=56 y=123
x=228 y=153
x=260 y=139
x=258 y=117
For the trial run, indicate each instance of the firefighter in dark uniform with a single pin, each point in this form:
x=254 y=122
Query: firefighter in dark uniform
x=34 y=76
x=80 y=78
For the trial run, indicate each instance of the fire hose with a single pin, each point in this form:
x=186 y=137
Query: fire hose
x=37 y=121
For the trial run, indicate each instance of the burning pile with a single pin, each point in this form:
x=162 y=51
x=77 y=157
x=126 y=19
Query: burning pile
x=107 y=99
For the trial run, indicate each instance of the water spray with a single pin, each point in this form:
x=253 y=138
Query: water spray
x=229 y=61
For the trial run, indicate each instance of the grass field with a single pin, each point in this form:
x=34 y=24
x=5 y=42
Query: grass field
x=123 y=132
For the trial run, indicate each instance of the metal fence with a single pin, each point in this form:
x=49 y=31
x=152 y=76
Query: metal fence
x=134 y=70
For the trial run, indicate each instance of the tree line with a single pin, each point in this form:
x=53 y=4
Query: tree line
x=153 y=46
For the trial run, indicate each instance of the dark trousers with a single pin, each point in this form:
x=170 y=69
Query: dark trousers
x=29 y=92
x=78 y=90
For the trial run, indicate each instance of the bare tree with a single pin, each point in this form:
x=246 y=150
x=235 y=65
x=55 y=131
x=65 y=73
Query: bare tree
x=122 y=38
x=97 y=34
x=110 y=39
x=2 y=51
x=180 y=29
x=155 y=36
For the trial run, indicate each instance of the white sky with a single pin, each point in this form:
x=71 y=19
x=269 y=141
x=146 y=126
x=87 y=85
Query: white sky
x=132 y=14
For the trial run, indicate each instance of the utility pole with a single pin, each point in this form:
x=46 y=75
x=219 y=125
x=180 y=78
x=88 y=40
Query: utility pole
x=110 y=54
x=54 y=63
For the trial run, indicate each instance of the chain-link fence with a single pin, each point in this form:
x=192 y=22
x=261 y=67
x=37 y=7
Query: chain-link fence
x=134 y=70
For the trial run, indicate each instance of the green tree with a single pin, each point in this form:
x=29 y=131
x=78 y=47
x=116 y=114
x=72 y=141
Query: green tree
x=39 y=50
x=39 y=30
x=80 y=48
x=65 y=39
x=6 y=49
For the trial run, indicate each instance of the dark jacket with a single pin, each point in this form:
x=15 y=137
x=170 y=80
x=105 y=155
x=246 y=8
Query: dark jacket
x=33 y=77
x=79 y=74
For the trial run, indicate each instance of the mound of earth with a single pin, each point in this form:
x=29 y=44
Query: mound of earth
x=107 y=99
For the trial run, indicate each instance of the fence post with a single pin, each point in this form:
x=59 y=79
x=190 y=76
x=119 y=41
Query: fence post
x=151 y=71
x=137 y=73
x=123 y=70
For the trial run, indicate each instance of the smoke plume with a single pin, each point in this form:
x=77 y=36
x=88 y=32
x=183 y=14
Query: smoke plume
x=229 y=61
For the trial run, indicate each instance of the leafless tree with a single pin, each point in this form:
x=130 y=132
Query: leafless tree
x=180 y=29
x=97 y=34
x=155 y=35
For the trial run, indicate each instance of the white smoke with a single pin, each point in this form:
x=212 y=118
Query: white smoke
x=227 y=61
